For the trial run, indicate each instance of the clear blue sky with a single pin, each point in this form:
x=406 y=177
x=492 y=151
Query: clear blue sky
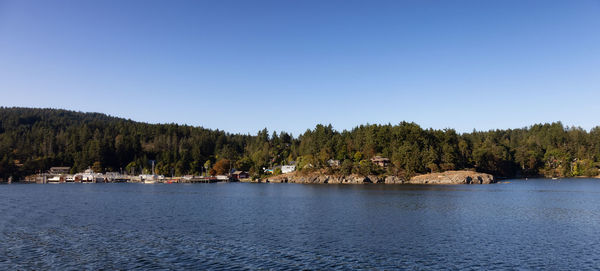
x=240 y=66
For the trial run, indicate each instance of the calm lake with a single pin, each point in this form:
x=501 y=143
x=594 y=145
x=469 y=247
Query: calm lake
x=534 y=224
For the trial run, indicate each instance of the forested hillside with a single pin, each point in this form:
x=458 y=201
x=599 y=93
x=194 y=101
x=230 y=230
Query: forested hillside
x=33 y=140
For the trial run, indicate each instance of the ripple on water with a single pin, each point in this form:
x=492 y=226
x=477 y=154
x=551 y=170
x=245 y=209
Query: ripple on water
x=246 y=226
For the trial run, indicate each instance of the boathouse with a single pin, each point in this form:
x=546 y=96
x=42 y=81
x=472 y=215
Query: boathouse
x=238 y=174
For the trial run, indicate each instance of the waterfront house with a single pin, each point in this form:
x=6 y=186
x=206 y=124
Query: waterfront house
x=380 y=161
x=238 y=174
x=333 y=163
x=288 y=168
x=89 y=176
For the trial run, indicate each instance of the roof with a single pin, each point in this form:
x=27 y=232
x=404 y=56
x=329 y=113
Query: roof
x=237 y=172
x=380 y=159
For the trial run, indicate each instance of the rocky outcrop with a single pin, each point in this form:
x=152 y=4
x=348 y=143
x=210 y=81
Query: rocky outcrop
x=453 y=177
x=393 y=180
x=318 y=179
x=448 y=177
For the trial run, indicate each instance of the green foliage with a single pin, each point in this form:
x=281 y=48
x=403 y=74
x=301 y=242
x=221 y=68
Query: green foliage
x=244 y=164
x=33 y=140
x=346 y=167
x=306 y=161
x=358 y=156
x=365 y=168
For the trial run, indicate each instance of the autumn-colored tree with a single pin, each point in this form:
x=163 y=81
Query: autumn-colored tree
x=222 y=167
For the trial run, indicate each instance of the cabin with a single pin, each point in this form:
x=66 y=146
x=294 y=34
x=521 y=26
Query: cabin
x=238 y=174
x=380 y=161
x=333 y=163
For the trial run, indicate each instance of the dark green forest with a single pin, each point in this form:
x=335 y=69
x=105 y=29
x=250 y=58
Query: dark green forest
x=33 y=140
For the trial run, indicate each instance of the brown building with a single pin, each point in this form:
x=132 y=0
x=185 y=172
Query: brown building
x=240 y=175
x=380 y=161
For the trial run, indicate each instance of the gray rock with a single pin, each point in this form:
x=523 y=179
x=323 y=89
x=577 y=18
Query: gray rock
x=393 y=180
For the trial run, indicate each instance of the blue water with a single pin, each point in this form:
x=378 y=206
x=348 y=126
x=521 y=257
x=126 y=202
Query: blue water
x=535 y=224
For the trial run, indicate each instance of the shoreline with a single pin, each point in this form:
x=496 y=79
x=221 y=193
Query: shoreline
x=263 y=181
x=447 y=177
x=440 y=178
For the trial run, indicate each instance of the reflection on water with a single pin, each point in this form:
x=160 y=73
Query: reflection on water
x=535 y=224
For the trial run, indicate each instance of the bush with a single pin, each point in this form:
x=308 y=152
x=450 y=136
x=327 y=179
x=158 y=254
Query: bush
x=366 y=167
x=346 y=167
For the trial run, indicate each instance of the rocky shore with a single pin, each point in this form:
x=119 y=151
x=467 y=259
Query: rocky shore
x=448 y=177
x=453 y=177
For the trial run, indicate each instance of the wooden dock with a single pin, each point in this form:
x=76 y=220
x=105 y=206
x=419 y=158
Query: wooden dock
x=203 y=180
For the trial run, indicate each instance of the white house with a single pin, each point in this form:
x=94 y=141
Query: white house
x=288 y=169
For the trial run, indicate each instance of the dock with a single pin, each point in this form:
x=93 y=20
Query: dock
x=203 y=180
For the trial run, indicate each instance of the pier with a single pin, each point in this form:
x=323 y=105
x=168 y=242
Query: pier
x=202 y=180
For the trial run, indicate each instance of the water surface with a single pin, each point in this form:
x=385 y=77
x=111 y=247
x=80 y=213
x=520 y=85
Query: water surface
x=534 y=224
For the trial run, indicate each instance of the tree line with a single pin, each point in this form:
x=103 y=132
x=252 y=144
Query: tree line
x=33 y=140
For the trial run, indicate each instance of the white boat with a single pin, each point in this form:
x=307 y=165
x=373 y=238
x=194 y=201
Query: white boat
x=55 y=179
x=151 y=178
x=150 y=181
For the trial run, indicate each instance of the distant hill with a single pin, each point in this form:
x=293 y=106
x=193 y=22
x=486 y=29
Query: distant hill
x=33 y=140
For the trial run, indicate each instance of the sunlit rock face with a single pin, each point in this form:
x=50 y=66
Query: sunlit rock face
x=453 y=177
